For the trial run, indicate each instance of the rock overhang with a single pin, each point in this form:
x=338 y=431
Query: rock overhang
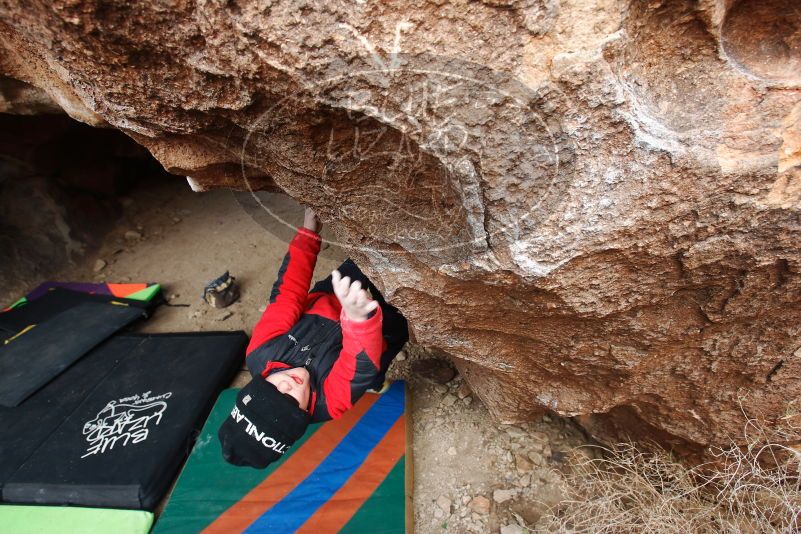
x=593 y=208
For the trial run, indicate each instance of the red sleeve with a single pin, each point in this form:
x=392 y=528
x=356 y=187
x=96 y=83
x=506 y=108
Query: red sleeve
x=357 y=365
x=290 y=290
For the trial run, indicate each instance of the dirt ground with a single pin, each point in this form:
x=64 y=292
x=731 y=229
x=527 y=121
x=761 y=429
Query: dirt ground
x=470 y=473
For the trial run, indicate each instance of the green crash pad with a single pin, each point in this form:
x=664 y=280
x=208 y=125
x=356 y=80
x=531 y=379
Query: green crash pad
x=67 y=520
x=347 y=476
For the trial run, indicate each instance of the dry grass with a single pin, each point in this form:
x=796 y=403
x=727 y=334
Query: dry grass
x=752 y=489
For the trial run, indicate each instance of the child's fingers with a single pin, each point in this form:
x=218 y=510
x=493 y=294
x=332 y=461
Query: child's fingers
x=353 y=292
x=341 y=289
x=349 y=295
x=361 y=298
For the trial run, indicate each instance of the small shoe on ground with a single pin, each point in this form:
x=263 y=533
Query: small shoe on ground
x=221 y=291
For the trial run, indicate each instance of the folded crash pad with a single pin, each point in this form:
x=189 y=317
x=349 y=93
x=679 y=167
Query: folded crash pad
x=24 y=428
x=33 y=357
x=57 y=300
x=122 y=444
x=346 y=475
x=66 y=520
x=136 y=291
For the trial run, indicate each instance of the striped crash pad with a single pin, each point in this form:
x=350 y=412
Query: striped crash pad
x=67 y=520
x=347 y=475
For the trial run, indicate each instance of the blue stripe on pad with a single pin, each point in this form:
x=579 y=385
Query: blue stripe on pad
x=302 y=502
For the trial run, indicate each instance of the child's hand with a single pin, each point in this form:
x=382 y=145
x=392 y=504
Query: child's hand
x=355 y=301
x=311 y=221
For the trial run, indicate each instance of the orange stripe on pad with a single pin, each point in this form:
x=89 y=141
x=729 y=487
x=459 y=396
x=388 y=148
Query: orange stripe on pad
x=123 y=290
x=291 y=473
x=341 y=507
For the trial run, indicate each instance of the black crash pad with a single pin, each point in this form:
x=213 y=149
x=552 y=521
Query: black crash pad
x=33 y=358
x=24 y=428
x=56 y=301
x=122 y=445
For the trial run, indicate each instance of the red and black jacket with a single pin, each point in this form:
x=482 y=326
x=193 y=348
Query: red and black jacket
x=302 y=329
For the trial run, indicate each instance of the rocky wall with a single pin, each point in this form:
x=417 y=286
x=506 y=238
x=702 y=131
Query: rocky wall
x=592 y=206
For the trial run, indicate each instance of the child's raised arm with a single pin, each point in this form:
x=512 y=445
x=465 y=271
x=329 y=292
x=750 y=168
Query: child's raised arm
x=291 y=288
x=362 y=343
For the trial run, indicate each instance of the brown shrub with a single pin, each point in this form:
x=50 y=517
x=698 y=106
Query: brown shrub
x=751 y=489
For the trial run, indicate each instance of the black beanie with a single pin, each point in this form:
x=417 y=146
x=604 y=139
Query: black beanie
x=263 y=425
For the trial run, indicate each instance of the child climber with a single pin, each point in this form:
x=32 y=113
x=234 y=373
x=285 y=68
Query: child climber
x=312 y=355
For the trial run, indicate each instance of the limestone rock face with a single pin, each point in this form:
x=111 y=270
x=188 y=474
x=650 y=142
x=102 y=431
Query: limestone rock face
x=594 y=207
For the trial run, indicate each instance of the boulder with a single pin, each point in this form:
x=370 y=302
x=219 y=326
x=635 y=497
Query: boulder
x=592 y=207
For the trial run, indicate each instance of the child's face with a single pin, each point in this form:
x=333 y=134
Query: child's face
x=294 y=382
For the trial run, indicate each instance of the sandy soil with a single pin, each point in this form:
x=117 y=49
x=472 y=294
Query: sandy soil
x=470 y=473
